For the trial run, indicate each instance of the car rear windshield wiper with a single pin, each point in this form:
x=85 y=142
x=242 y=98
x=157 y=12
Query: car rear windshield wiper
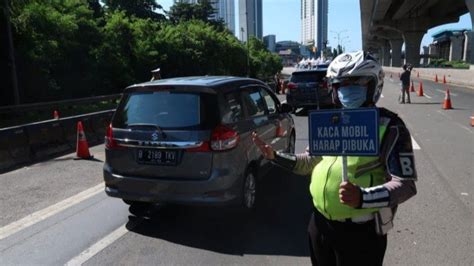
x=158 y=128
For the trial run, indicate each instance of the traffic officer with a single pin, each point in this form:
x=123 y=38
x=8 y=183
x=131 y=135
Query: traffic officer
x=350 y=219
x=156 y=74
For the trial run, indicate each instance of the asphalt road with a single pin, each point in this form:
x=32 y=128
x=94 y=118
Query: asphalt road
x=56 y=212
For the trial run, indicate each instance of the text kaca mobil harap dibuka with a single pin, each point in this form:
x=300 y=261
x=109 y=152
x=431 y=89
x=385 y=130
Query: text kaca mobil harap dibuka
x=349 y=138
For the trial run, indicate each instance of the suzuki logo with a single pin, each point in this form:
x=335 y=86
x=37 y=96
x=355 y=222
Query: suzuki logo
x=154 y=136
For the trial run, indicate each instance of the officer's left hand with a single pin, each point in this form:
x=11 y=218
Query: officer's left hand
x=349 y=194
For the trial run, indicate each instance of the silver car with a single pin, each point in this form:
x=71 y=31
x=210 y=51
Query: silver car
x=188 y=141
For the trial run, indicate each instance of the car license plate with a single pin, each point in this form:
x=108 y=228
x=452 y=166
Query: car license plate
x=157 y=157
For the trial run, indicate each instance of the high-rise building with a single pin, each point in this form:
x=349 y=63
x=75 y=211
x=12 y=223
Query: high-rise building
x=308 y=22
x=225 y=10
x=250 y=19
x=321 y=24
x=314 y=23
x=270 y=42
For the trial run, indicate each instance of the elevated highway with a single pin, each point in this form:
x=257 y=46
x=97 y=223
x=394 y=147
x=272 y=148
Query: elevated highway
x=388 y=24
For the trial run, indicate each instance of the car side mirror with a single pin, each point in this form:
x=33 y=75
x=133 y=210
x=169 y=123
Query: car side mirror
x=286 y=108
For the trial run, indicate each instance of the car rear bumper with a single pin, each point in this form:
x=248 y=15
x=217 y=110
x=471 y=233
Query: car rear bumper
x=222 y=188
x=297 y=102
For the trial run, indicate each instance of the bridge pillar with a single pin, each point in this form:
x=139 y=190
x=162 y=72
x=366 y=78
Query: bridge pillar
x=396 y=45
x=470 y=36
x=412 y=46
x=455 y=50
x=426 y=53
x=469 y=47
x=386 y=53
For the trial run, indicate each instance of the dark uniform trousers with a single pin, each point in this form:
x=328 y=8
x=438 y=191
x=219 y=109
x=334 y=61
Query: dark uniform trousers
x=344 y=243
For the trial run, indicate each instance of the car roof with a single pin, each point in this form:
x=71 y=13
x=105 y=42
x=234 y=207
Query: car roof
x=213 y=82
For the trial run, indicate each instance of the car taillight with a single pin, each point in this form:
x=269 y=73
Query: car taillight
x=110 y=143
x=292 y=86
x=224 y=138
x=204 y=147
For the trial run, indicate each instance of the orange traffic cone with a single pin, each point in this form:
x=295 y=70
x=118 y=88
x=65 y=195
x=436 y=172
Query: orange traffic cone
x=412 y=88
x=82 y=148
x=56 y=115
x=420 y=90
x=472 y=121
x=444 y=79
x=436 y=78
x=447 y=101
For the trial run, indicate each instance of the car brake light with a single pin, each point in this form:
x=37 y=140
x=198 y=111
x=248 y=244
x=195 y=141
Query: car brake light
x=292 y=86
x=224 y=138
x=110 y=143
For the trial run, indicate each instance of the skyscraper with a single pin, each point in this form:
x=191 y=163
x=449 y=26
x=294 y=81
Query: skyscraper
x=225 y=10
x=250 y=19
x=308 y=22
x=321 y=24
x=314 y=23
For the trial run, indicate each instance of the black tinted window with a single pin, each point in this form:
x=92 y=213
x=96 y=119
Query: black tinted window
x=166 y=110
x=232 y=109
x=253 y=102
x=316 y=76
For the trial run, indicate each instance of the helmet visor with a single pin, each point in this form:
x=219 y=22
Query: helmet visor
x=351 y=81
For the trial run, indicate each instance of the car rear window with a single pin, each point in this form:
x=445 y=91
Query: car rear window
x=167 y=110
x=314 y=76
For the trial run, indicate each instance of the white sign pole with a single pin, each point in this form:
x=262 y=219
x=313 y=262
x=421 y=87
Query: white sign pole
x=344 y=168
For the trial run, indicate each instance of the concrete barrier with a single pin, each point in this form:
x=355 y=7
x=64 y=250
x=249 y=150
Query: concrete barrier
x=38 y=141
x=460 y=77
x=14 y=147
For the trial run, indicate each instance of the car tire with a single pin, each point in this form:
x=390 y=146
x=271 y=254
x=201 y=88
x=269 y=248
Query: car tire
x=291 y=144
x=249 y=195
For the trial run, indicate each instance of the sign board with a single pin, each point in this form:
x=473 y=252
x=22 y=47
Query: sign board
x=344 y=132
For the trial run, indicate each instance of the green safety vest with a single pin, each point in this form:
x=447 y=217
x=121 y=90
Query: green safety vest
x=367 y=171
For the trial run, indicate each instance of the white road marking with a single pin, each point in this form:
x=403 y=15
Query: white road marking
x=443 y=113
x=45 y=213
x=427 y=96
x=450 y=93
x=97 y=247
x=414 y=144
x=381 y=96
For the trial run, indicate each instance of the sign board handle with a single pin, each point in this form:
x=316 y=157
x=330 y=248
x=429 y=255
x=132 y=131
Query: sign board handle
x=344 y=168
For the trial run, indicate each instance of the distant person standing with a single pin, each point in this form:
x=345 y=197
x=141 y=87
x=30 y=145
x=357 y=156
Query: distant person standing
x=405 y=79
x=156 y=74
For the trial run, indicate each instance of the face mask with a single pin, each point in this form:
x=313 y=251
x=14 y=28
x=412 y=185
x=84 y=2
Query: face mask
x=352 y=96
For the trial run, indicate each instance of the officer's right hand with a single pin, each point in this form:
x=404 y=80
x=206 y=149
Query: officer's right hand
x=266 y=149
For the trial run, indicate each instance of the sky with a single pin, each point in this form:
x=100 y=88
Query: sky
x=282 y=18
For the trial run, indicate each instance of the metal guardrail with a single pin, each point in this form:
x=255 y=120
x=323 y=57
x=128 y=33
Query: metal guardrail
x=41 y=140
x=47 y=105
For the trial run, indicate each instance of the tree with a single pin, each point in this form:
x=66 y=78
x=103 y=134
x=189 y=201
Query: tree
x=138 y=8
x=54 y=41
x=203 y=11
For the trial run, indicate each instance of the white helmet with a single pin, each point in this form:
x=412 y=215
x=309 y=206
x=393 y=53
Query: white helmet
x=354 y=65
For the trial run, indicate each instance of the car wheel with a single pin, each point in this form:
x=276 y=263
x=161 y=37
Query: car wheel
x=291 y=144
x=250 y=191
